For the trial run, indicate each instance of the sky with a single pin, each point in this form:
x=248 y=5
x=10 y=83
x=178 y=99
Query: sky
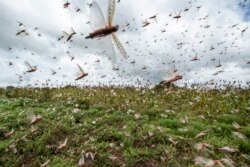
x=216 y=31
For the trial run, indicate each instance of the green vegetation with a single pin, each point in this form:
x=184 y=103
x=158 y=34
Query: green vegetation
x=123 y=126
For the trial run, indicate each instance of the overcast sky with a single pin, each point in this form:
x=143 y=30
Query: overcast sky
x=215 y=30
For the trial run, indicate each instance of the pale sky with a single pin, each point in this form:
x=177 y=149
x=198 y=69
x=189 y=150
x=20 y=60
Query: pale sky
x=210 y=29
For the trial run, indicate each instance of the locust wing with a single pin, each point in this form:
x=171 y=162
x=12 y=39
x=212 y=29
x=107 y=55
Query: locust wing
x=97 y=20
x=111 y=11
x=65 y=34
x=28 y=65
x=119 y=46
x=72 y=30
x=80 y=68
x=109 y=52
x=30 y=115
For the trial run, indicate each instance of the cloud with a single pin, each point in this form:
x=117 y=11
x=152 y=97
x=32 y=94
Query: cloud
x=217 y=24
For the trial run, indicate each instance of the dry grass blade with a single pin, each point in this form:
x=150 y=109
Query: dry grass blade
x=6 y=135
x=63 y=145
x=45 y=164
x=202 y=134
x=227 y=149
x=239 y=135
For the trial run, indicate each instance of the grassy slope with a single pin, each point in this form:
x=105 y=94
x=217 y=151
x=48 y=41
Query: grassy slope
x=122 y=126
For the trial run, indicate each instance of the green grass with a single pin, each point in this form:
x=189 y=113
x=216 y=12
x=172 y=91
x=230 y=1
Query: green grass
x=121 y=126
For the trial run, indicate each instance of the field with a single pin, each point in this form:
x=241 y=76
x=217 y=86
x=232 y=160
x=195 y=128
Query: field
x=63 y=127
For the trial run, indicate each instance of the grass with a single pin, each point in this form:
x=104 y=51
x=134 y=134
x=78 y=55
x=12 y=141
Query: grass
x=122 y=126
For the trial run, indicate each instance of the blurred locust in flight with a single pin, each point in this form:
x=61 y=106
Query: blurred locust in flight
x=101 y=29
x=81 y=74
x=69 y=35
x=66 y=4
x=22 y=32
x=177 y=17
x=30 y=67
